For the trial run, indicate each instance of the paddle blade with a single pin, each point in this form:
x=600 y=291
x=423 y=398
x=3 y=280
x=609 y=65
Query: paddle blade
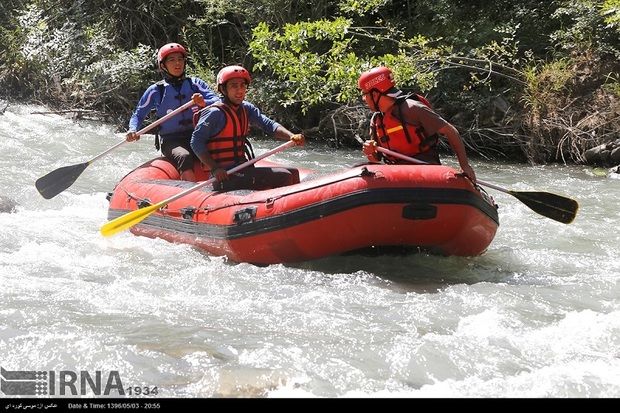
x=130 y=219
x=57 y=181
x=550 y=205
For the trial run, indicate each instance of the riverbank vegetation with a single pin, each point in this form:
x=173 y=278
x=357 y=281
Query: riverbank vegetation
x=522 y=80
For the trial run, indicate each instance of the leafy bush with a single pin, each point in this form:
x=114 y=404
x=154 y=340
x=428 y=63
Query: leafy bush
x=510 y=74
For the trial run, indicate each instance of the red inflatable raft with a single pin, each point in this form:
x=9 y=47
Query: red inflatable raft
x=429 y=208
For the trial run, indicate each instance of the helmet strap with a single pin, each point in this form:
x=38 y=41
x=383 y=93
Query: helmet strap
x=169 y=78
x=375 y=101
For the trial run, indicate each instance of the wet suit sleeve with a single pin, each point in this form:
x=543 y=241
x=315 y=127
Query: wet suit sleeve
x=145 y=105
x=205 y=91
x=256 y=118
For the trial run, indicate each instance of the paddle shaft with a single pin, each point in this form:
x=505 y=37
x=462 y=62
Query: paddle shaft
x=229 y=172
x=552 y=206
x=60 y=179
x=134 y=217
x=414 y=160
x=147 y=128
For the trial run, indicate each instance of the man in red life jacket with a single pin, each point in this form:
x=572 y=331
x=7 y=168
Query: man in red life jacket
x=404 y=124
x=220 y=137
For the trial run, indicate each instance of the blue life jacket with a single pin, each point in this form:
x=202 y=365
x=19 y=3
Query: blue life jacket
x=171 y=99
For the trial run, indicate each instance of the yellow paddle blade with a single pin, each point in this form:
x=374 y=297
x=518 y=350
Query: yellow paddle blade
x=130 y=219
x=133 y=217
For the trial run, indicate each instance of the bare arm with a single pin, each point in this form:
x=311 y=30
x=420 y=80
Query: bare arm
x=456 y=142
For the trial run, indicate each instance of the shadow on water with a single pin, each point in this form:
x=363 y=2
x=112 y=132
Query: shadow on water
x=412 y=269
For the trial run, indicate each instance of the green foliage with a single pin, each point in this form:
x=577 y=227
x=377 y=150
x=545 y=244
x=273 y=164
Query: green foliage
x=611 y=13
x=612 y=83
x=13 y=67
x=305 y=58
x=225 y=27
x=310 y=58
x=319 y=61
x=545 y=81
x=102 y=80
x=362 y=7
x=584 y=28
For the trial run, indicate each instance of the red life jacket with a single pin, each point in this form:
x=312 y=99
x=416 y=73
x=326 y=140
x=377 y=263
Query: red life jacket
x=392 y=133
x=230 y=145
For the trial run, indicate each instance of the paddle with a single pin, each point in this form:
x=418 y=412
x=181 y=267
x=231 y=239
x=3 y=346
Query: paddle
x=60 y=179
x=550 y=205
x=132 y=218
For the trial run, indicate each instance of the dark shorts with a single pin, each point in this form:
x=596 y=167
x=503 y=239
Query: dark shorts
x=179 y=151
x=259 y=178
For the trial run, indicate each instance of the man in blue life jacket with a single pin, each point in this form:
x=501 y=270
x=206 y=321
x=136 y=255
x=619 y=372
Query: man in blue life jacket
x=167 y=95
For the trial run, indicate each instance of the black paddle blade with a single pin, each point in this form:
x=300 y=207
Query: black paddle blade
x=57 y=181
x=550 y=205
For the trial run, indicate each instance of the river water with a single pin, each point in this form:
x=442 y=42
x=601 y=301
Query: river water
x=536 y=316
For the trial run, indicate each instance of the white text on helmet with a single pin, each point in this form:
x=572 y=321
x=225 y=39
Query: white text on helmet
x=368 y=85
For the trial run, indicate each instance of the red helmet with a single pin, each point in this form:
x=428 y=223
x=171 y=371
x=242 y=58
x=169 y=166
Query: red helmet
x=380 y=78
x=232 y=72
x=166 y=49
